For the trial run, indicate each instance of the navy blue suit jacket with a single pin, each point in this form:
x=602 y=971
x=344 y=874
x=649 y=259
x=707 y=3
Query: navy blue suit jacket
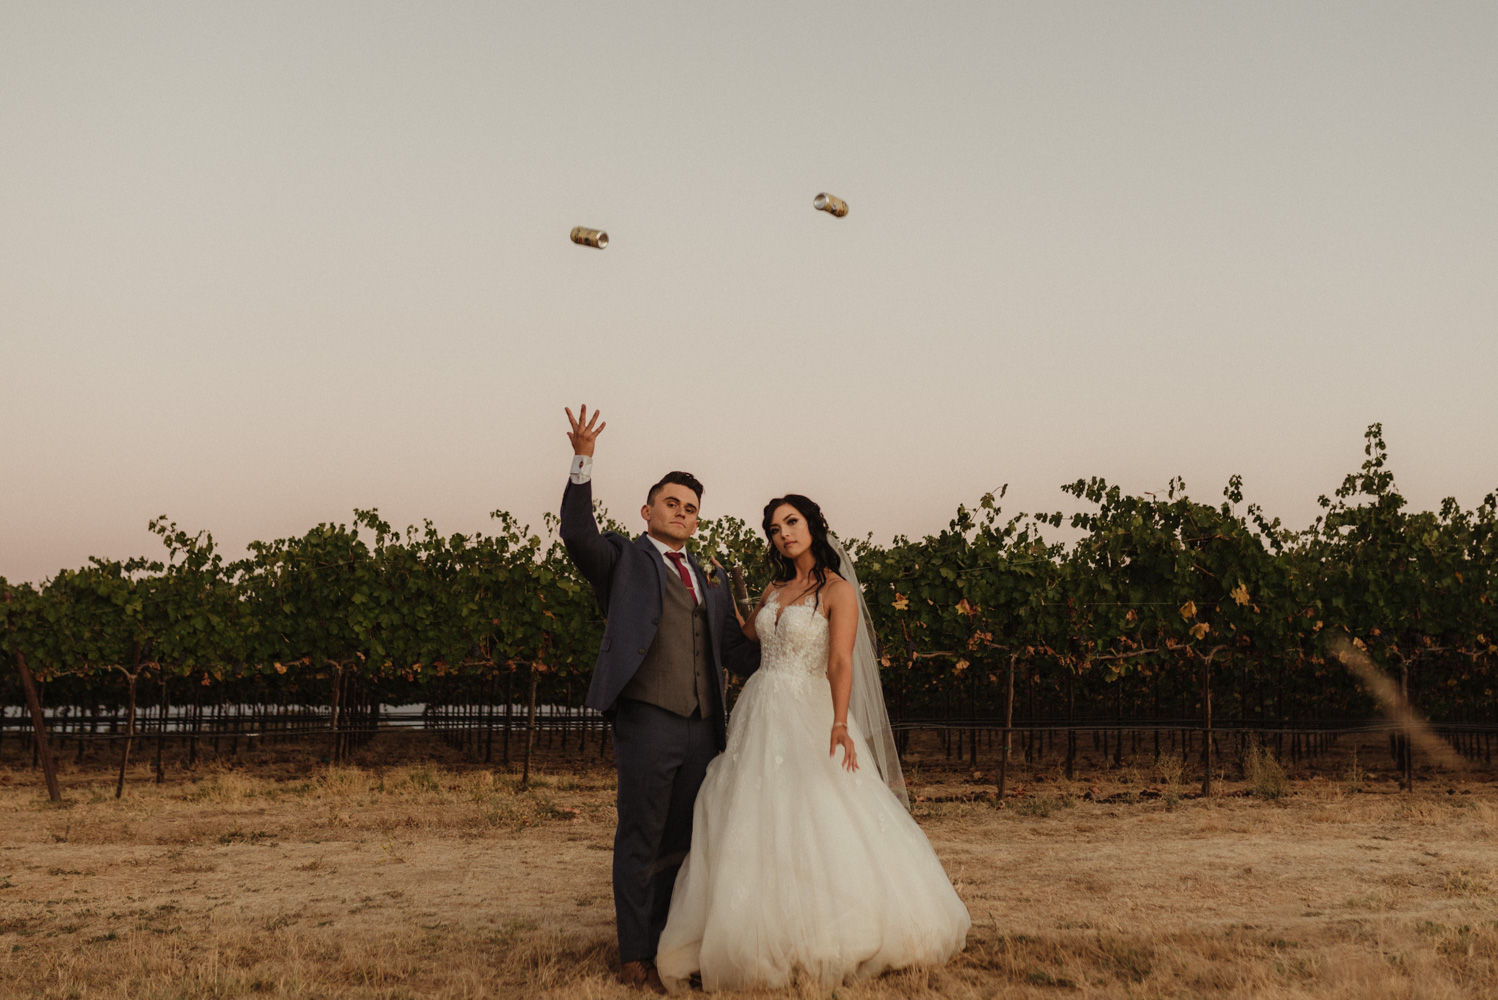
x=628 y=577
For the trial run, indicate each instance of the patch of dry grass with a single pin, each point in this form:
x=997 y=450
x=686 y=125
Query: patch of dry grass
x=425 y=882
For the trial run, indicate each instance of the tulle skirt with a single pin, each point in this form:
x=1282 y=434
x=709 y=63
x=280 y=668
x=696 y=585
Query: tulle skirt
x=798 y=867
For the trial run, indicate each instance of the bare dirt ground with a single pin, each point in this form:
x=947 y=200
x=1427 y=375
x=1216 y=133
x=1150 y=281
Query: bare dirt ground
x=441 y=880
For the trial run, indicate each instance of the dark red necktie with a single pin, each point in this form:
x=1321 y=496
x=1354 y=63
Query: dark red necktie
x=681 y=567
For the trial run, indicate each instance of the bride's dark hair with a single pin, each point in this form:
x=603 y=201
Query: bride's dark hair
x=783 y=570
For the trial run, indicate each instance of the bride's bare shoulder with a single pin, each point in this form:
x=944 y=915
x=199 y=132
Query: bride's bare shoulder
x=837 y=589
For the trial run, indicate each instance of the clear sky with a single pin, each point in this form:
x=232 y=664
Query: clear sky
x=263 y=263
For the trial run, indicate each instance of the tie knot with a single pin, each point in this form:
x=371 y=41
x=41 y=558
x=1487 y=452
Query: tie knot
x=674 y=556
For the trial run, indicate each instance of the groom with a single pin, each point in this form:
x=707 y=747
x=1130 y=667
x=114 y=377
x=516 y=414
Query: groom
x=668 y=634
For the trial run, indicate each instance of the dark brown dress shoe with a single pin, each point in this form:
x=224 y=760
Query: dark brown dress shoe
x=642 y=976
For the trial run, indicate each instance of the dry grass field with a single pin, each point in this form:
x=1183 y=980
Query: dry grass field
x=443 y=881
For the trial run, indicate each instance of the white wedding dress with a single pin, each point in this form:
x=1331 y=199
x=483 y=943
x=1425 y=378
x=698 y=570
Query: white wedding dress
x=797 y=865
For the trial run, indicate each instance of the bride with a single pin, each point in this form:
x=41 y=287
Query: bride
x=804 y=859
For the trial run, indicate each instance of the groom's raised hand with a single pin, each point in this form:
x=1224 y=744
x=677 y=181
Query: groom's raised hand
x=583 y=434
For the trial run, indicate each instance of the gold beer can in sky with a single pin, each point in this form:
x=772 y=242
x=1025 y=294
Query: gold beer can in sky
x=594 y=237
x=831 y=204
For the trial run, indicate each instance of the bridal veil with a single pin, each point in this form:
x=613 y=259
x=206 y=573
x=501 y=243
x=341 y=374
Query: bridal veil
x=866 y=704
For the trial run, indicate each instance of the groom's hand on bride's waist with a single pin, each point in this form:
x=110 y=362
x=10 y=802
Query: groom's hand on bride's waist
x=585 y=431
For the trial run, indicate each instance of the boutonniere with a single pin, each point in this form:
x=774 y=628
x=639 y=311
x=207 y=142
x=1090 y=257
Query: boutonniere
x=716 y=574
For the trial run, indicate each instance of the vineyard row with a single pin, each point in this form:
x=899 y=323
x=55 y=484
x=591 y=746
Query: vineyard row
x=1163 y=609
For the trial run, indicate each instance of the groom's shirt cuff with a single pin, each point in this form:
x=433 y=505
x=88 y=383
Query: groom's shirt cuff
x=582 y=469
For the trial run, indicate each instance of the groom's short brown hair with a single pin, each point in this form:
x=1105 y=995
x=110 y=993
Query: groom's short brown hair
x=678 y=478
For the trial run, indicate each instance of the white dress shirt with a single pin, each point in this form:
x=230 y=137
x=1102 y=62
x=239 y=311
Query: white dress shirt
x=582 y=468
x=691 y=573
x=582 y=472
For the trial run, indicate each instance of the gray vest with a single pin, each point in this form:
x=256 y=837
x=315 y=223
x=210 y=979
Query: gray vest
x=674 y=673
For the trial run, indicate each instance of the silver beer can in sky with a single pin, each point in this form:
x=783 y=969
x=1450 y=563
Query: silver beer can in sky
x=595 y=237
x=831 y=204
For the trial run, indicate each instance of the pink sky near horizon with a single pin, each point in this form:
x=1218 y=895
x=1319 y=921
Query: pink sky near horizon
x=262 y=265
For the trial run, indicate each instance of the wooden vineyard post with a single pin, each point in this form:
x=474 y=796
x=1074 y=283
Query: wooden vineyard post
x=1118 y=733
x=197 y=722
x=38 y=720
x=161 y=731
x=530 y=733
x=740 y=591
x=904 y=681
x=489 y=716
x=333 y=712
x=1207 y=727
x=38 y=724
x=119 y=788
x=1031 y=754
x=1207 y=721
x=509 y=709
x=1008 y=729
x=946 y=719
x=1407 y=762
x=1155 y=686
x=1071 y=714
x=972 y=720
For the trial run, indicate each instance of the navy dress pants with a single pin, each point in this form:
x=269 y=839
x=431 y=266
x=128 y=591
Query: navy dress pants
x=662 y=758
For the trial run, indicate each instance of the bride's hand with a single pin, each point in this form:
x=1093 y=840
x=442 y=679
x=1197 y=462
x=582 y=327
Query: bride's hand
x=840 y=738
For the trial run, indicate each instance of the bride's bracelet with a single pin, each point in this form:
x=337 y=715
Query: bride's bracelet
x=839 y=725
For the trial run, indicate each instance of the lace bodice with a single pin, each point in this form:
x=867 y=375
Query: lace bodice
x=797 y=643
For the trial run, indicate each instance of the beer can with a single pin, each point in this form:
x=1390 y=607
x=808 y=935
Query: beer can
x=594 y=237
x=831 y=204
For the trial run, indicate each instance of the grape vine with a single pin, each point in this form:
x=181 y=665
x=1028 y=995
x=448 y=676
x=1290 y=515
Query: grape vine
x=1164 y=610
